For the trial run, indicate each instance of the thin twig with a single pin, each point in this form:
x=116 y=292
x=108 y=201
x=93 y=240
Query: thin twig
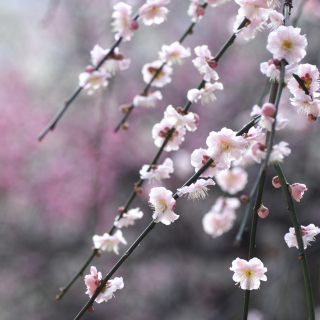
x=297 y=228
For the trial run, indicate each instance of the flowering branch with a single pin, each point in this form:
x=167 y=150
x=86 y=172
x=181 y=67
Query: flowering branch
x=145 y=90
x=302 y=257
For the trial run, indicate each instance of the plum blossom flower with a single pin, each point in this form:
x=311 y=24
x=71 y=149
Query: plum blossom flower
x=197 y=190
x=174 y=53
x=226 y=144
x=263 y=212
x=122 y=21
x=158 y=172
x=277 y=154
x=163 y=203
x=254 y=134
x=308 y=233
x=206 y=93
x=180 y=119
x=221 y=216
x=94 y=280
x=205 y=63
x=233 y=180
x=200 y=156
x=251 y=28
x=109 y=242
x=147 y=100
x=149 y=70
x=276 y=18
x=276 y=182
x=267 y=112
x=272 y=70
x=93 y=81
x=253 y=9
x=287 y=43
x=195 y=11
x=114 y=62
x=307 y=105
x=128 y=218
x=153 y=12
x=309 y=74
x=248 y=273
x=160 y=131
x=297 y=190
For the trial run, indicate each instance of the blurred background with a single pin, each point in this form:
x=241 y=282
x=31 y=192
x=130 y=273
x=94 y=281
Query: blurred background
x=56 y=194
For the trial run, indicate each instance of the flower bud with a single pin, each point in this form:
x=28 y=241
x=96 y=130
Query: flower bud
x=311 y=117
x=125 y=126
x=244 y=198
x=90 y=309
x=200 y=11
x=276 y=182
x=134 y=25
x=124 y=108
x=263 y=212
x=120 y=209
x=213 y=64
x=297 y=190
x=89 y=69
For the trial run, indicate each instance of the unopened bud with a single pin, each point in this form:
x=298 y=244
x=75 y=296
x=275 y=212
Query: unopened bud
x=125 y=126
x=124 y=108
x=200 y=11
x=213 y=64
x=120 y=209
x=174 y=206
x=244 y=198
x=89 y=69
x=276 y=182
x=134 y=25
x=196 y=119
x=311 y=117
x=90 y=309
x=180 y=111
x=263 y=212
x=139 y=191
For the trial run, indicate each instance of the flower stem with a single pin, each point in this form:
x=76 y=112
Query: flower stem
x=296 y=225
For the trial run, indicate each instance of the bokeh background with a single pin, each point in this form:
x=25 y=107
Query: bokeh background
x=55 y=195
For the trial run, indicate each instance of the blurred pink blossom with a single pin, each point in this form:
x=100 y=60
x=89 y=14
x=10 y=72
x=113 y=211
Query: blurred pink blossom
x=153 y=12
x=308 y=233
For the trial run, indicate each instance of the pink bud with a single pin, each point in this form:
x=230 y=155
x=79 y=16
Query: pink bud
x=268 y=109
x=89 y=69
x=244 y=198
x=120 y=209
x=124 y=108
x=139 y=191
x=213 y=64
x=311 y=117
x=297 y=190
x=200 y=11
x=276 y=182
x=134 y=25
x=125 y=126
x=263 y=212
x=174 y=206
x=196 y=119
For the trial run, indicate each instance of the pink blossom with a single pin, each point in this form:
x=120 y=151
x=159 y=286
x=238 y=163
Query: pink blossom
x=158 y=172
x=150 y=69
x=221 y=216
x=163 y=203
x=206 y=93
x=200 y=156
x=253 y=9
x=114 y=62
x=174 y=53
x=161 y=130
x=153 y=12
x=249 y=31
x=147 y=100
x=263 y=212
x=307 y=105
x=233 y=180
x=94 y=280
x=128 y=218
x=197 y=190
x=267 y=112
x=276 y=182
x=297 y=190
x=195 y=11
x=309 y=74
x=276 y=18
x=179 y=119
x=109 y=242
x=277 y=154
x=248 y=273
x=255 y=315
x=205 y=62
x=272 y=70
x=122 y=21
x=254 y=134
x=93 y=81
x=226 y=144
x=287 y=43
x=308 y=233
